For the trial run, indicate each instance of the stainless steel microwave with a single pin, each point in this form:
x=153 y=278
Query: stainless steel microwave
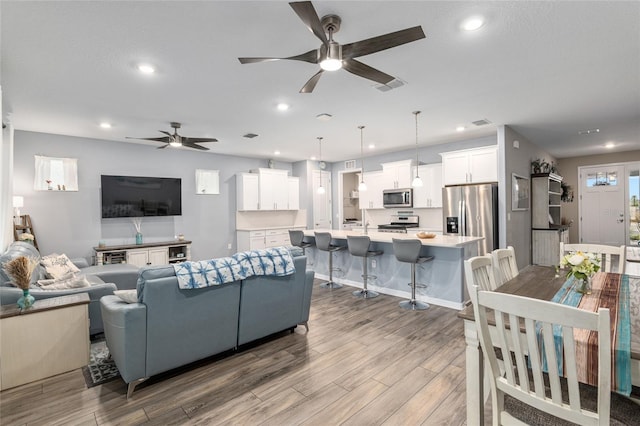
x=392 y=198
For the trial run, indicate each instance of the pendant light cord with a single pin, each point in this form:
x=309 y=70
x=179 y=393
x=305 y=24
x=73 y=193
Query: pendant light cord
x=361 y=153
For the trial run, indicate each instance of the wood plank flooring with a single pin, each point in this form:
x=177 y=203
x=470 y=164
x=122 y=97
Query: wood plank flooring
x=363 y=362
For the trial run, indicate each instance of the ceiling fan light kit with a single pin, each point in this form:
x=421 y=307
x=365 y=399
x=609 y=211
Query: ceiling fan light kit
x=332 y=56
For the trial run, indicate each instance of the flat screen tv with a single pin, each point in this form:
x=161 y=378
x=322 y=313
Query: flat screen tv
x=137 y=196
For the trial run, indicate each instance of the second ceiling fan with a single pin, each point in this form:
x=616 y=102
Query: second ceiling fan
x=332 y=56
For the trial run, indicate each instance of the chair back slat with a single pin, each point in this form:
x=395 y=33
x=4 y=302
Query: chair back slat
x=607 y=255
x=479 y=271
x=541 y=319
x=504 y=263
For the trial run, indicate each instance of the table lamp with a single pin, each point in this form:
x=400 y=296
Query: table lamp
x=18 y=202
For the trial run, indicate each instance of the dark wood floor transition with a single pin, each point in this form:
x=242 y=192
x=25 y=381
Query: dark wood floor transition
x=363 y=362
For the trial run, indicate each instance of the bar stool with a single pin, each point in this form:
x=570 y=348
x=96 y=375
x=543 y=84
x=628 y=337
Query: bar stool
x=323 y=242
x=297 y=239
x=409 y=251
x=359 y=246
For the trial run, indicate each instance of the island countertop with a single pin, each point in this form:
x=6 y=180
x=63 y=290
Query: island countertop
x=386 y=237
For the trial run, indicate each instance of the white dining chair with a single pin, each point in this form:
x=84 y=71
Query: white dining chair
x=527 y=351
x=504 y=264
x=479 y=271
x=604 y=252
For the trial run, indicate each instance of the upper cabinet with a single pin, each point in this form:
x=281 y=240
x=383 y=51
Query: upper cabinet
x=294 y=193
x=397 y=174
x=430 y=194
x=371 y=198
x=247 y=192
x=268 y=189
x=476 y=165
x=546 y=191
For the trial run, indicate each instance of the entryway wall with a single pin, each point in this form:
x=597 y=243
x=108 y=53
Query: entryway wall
x=568 y=168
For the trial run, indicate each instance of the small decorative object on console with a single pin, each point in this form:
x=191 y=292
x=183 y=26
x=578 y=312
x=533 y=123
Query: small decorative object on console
x=137 y=223
x=20 y=269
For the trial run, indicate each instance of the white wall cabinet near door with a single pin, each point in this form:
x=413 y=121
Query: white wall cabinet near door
x=475 y=165
x=293 y=193
x=397 y=174
x=371 y=198
x=430 y=194
x=247 y=192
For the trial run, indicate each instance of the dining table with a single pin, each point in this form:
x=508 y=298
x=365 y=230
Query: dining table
x=543 y=283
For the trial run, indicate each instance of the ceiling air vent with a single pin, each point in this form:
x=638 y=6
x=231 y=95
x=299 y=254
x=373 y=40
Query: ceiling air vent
x=249 y=135
x=393 y=84
x=350 y=164
x=482 y=122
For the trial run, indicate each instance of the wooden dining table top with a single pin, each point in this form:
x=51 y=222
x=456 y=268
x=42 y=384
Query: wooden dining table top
x=536 y=282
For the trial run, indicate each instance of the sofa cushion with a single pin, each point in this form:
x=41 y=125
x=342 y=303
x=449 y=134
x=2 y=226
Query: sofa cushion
x=58 y=266
x=68 y=281
x=15 y=250
x=128 y=296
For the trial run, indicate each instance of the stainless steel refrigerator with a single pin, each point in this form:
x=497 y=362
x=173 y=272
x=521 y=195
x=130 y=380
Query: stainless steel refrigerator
x=472 y=210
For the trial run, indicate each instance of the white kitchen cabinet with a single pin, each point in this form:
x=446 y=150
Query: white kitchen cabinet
x=477 y=165
x=247 y=192
x=430 y=194
x=372 y=197
x=148 y=257
x=294 y=193
x=397 y=174
x=264 y=238
x=273 y=186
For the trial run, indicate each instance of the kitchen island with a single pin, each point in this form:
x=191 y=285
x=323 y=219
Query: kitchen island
x=443 y=276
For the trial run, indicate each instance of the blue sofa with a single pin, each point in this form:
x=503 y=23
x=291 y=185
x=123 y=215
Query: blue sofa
x=103 y=281
x=170 y=327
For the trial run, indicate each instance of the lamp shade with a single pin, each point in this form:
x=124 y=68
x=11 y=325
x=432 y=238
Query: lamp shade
x=18 y=201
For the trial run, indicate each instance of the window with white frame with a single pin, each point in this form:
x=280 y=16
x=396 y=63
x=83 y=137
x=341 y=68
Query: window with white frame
x=55 y=174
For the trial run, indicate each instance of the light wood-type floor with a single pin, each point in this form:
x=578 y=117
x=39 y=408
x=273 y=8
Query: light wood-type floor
x=363 y=362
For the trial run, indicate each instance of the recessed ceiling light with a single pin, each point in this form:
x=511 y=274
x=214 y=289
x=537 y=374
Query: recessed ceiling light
x=105 y=125
x=371 y=146
x=609 y=145
x=473 y=23
x=283 y=107
x=146 y=69
x=460 y=129
x=313 y=158
x=276 y=152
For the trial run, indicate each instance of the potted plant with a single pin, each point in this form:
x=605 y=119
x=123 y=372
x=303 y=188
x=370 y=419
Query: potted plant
x=19 y=270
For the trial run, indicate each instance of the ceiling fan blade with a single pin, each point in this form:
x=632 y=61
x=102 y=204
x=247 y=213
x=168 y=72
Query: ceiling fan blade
x=387 y=41
x=194 y=146
x=163 y=146
x=311 y=84
x=309 y=16
x=164 y=139
x=198 y=140
x=166 y=133
x=310 y=56
x=363 y=70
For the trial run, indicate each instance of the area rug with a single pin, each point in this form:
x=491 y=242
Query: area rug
x=101 y=368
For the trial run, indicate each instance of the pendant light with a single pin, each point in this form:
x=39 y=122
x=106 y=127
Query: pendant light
x=321 y=189
x=362 y=186
x=417 y=181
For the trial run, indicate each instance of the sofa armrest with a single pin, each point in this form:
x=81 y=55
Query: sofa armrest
x=125 y=329
x=80 y=262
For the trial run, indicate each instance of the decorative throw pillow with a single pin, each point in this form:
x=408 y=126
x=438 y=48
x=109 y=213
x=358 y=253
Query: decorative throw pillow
x=58 y=266
x=70 y=280
x=129 y=296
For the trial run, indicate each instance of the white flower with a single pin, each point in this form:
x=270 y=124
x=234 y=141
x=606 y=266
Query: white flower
x=576 y=259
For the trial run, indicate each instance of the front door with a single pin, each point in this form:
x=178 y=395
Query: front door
x=602 y=205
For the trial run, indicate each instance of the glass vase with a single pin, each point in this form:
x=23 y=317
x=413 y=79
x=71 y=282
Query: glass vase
x=26 y=300
x=138 y=238
x=583 y=285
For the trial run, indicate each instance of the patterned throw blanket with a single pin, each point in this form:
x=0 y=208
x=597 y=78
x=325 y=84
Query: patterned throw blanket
x=608 y=291
x=275 y=261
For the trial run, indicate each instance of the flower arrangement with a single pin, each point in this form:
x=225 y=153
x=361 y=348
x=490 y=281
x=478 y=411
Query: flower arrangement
x=137 y=223
x=20 y=269
x=27 y=237
x=581 y=265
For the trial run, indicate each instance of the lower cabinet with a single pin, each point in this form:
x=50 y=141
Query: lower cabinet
x=546 y=245
x=254 y=240
x=158 y=256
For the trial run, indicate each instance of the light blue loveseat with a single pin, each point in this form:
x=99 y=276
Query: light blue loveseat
x=103 y=280
x=170 y=327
